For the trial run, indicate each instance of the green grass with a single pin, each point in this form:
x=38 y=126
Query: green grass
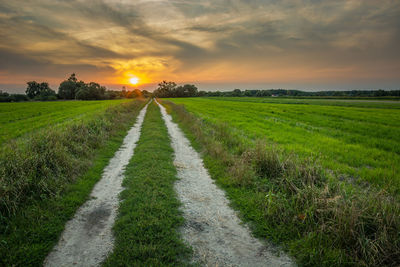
x=146 y=227
x=347 y=102
x=291 y=200
x=17 y=119
x=53 y=196
x=357 y=140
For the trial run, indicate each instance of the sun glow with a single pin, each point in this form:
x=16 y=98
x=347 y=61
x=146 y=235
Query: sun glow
x=134 y=80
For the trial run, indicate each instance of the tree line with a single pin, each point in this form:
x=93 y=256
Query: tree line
x=299 y=93
x=170 y=89
x=70 y=89
x=74 y=89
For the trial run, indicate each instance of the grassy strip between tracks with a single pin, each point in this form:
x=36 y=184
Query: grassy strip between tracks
x=294 y=202
x=146 y=227
x=55 y=171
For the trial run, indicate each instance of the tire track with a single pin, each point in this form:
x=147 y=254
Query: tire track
x=87 y=238
x=212 y=228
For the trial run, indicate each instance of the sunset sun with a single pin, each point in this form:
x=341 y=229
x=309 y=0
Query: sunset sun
x=134 y=80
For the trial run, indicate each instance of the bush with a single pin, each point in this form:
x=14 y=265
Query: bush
x=45 y=97
x=6 y=97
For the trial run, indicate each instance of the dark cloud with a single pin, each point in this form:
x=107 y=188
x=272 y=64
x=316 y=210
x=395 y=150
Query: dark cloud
x=18 y=63
x=203 y=41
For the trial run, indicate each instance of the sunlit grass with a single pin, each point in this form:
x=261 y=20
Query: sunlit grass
x=321 y=219
x=47 y=175
x=359 y=143
x=17 y=119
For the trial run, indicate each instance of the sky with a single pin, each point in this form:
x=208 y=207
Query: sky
x=214 y=44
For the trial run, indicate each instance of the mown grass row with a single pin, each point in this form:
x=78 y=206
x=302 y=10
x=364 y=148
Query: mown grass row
x=148 y=218
x=45 y=177
x=295 y=202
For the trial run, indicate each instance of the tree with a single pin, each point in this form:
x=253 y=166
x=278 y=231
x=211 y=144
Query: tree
x=202 y=93
x=169 y=89
x=137 y=93
x=40 y=91
x=6 y=97
x=165 y=89
x=189 y=90
x=146 y=93
x=72 y=78
x=380 y=92
x=110 y=94
x=33 y=89
x=237 y=92
x=250 y=92
x=91 y=91
x=69 y=87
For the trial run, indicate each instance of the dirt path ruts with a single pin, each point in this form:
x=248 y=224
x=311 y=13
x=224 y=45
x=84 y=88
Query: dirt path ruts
x=212 y=228
x=87 y=238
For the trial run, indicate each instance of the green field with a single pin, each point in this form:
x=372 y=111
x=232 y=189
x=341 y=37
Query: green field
x=48 y=173
x=358 y=141
x=353 y=102
x=17 y=119
x=315 y=177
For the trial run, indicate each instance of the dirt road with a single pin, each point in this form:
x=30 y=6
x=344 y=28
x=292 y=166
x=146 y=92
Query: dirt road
x=212 y=227
x=87 y=238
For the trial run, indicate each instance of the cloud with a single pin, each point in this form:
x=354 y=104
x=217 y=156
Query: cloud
x=244 y=41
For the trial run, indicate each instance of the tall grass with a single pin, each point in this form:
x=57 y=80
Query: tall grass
x=38 y=166
x=295 y=202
